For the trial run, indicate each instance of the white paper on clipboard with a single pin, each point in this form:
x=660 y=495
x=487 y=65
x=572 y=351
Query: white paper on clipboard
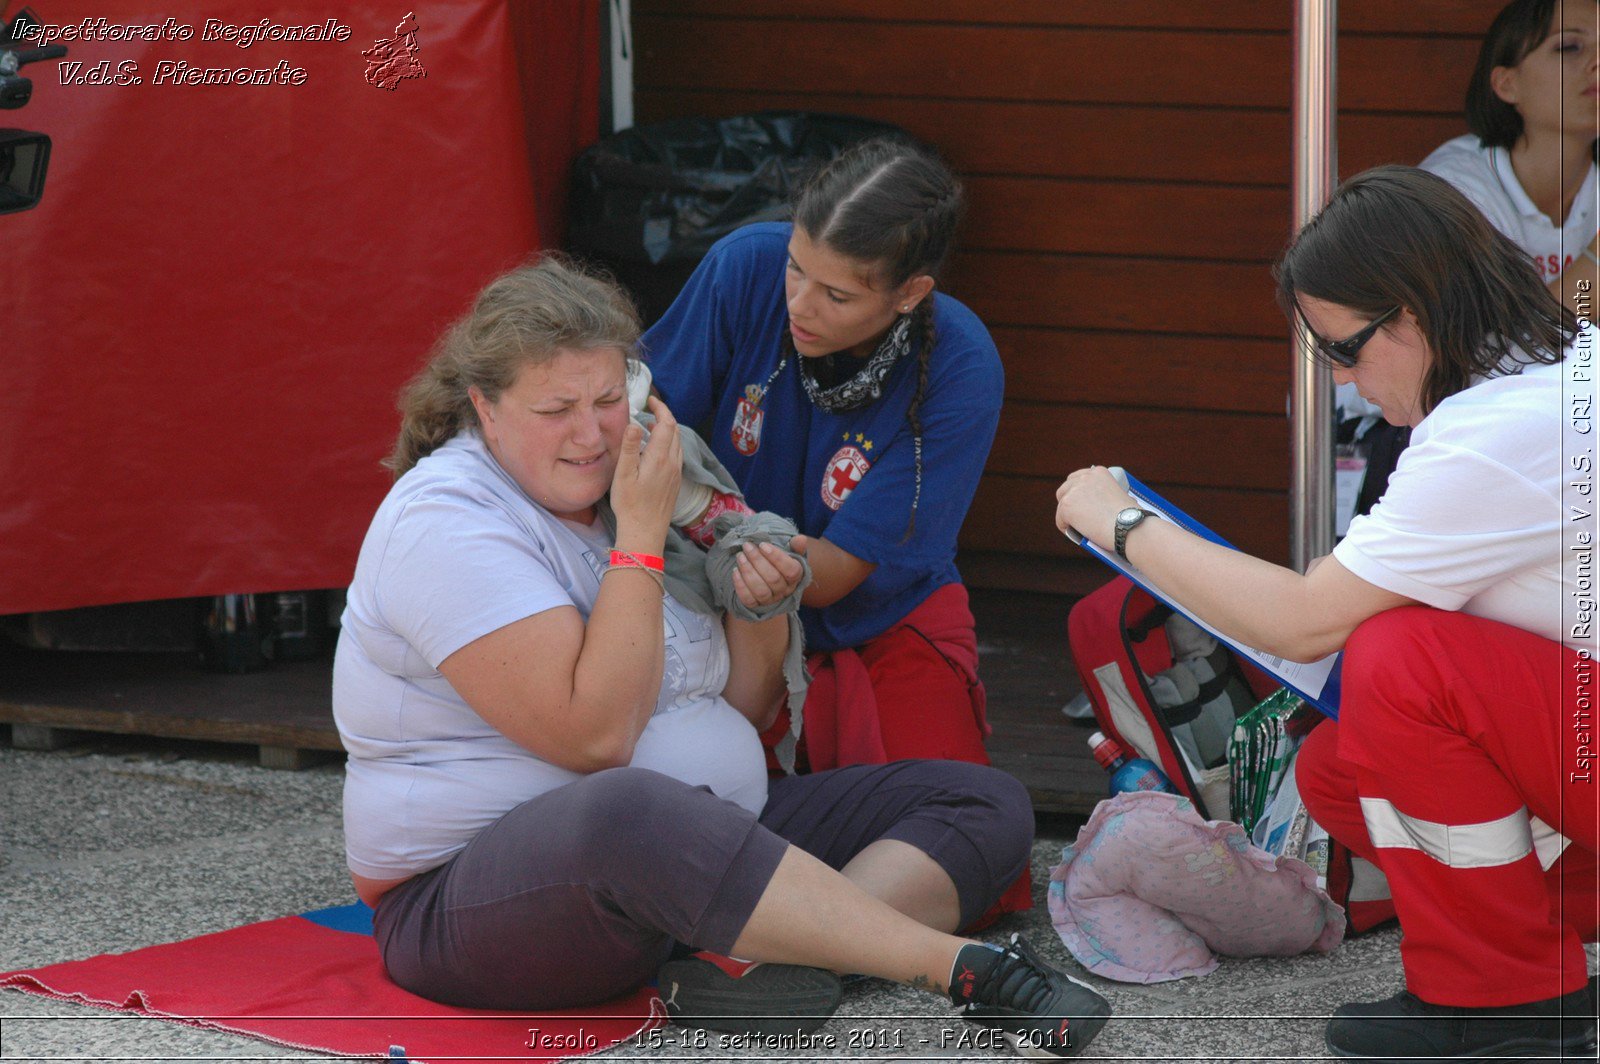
x=1309 y=678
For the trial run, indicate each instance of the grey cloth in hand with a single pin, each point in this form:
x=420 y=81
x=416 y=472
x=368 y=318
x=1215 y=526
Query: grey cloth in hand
x=733 y=531
x=703 y=580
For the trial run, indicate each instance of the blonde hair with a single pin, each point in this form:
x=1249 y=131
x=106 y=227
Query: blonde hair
x=521 y=319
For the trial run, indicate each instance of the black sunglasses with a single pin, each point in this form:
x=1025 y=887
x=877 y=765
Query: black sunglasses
x=1345 y=352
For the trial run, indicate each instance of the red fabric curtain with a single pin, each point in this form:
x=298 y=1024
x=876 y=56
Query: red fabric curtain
x=204 y=324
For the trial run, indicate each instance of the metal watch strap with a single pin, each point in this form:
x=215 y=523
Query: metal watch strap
x=1120 y=538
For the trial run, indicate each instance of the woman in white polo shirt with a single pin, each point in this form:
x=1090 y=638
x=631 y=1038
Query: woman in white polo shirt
x=1464 y=604
x=1528 y=163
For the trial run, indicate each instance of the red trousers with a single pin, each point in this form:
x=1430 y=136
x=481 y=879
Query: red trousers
x=1454 y=733
x=911 y=693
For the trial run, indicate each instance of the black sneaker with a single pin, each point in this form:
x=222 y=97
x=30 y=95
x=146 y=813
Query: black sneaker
x=1405 y=1027
x=739 y=997
x=1041 y=1012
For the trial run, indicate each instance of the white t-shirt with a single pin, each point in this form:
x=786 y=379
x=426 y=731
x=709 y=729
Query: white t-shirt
x=1484 y=176
x=1491 y=509
x=457 y=550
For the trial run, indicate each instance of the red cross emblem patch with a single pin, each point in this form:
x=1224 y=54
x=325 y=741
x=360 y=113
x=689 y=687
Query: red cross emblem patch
x=845 y=470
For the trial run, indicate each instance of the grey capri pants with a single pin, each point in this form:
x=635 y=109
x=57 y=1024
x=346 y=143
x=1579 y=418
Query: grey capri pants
x=576 y=896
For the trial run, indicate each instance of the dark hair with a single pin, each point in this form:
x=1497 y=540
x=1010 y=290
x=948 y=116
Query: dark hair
x=1519 y=28
x=893 y=206
x=521 y=318
x=1399 y=236
x=888 y=203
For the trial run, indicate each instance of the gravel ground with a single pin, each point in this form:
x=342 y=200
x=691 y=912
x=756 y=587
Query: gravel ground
x=121 y=843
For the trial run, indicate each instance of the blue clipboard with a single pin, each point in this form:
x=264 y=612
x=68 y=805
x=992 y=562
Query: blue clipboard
x=1327 y=701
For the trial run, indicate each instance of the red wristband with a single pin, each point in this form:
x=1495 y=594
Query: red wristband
x=622 y=559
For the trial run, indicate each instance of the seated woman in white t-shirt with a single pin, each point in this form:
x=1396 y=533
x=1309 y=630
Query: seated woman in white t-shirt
x=555 y=772
x=1464 y=604
x=1528 y=165
x=1529 y=162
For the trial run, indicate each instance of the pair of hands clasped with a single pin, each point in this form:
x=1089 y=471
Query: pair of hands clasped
x=644 y=492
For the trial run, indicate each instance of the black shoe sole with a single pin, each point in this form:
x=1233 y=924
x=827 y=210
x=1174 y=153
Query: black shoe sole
x=1539 y=1049
x=771 y=1000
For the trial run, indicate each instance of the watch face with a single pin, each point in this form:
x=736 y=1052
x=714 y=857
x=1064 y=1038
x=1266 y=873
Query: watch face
x=1128 y=516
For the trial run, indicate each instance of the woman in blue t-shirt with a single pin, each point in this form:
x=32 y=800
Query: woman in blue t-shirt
x=843 y=391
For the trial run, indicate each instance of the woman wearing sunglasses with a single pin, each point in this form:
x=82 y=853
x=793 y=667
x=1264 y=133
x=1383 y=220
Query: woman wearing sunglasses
x=1464 y=604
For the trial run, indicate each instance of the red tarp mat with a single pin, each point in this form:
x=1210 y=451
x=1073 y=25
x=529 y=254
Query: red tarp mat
x=315 y=982
x=204 y=324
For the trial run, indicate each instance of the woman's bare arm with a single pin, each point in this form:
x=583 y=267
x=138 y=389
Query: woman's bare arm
x=1266 y=606
x=834 y=572
x=762 y=576
x=579 y=695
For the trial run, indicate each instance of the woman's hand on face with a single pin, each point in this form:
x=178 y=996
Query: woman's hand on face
x=764 y=575
x=1088 y=502
x=644 y=487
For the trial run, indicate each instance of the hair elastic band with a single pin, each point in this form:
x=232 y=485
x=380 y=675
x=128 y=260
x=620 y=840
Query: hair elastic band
x=660 y=580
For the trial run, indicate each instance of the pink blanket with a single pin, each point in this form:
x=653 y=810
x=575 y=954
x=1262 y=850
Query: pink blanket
x=1151 y=892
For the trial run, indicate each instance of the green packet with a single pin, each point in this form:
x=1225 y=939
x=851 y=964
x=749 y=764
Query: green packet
x=1258 y=755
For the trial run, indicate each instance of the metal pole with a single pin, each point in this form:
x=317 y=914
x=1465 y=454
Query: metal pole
x=621 y=25
x=1315 y=173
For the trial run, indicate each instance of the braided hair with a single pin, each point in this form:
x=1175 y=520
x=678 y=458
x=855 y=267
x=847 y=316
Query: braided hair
x=891 y=204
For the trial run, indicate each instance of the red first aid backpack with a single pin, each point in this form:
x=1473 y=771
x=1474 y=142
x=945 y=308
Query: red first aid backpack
x=1119 y=643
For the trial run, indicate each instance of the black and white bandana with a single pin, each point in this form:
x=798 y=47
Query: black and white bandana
x=867 y=384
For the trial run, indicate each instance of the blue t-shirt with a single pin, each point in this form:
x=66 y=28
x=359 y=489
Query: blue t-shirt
x=849 y=477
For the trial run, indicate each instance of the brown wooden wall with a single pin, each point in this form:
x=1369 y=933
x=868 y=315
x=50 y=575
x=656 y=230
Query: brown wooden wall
x=1128 y=163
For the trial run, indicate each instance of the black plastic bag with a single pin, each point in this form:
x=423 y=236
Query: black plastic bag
x=649 y=202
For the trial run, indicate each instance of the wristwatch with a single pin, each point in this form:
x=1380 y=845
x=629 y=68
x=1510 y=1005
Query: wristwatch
x=1128 y=520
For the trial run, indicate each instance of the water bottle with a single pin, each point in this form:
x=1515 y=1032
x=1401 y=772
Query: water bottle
x=1128 y=773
